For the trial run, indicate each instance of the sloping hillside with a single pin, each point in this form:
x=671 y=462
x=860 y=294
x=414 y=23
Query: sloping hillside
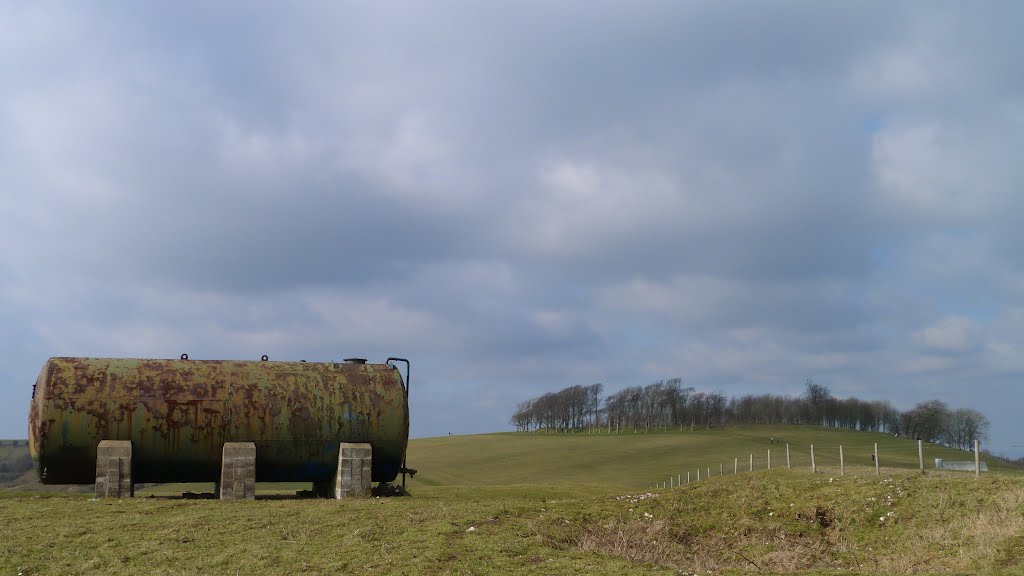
x=637 y=460
x=627 y=460
x=566 y=504
x=15 y=461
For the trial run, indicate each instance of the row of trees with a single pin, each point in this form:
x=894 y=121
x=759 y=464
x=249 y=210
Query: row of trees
x=571 y=408
x=668 y=404
x=933 y=421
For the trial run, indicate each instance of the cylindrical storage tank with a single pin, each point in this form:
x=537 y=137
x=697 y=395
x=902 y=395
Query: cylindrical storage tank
x=179 y=413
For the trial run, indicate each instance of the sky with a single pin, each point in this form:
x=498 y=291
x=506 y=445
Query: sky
x=522 y=196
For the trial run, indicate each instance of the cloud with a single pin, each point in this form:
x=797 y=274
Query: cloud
x=952 y=334
x=520 y=197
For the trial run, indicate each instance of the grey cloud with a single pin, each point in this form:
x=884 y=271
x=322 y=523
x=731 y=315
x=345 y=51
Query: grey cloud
x=520 y=197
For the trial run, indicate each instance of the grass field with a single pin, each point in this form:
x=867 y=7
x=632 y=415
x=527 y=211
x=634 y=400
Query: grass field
x=11 y=448
x=14 y=461
x=562 y=504
x=637 y=460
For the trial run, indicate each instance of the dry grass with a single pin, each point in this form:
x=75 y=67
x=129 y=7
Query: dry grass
x=962 y=523
x=744 y=550
x=795 y=522
x=778 y=522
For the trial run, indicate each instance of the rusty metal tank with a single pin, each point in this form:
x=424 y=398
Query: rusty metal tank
x=179 y=413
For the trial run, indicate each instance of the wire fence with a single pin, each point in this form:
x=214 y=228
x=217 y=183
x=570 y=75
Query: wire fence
x=785 y=457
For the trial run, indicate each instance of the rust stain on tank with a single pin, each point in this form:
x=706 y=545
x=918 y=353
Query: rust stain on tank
x=178 y=414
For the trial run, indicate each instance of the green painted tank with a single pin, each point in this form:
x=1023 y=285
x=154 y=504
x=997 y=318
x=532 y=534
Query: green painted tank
x=179 y=413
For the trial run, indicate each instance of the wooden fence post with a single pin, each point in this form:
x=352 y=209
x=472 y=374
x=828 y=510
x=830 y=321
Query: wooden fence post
x=751 y=462
x=769 y=458
x=920 y=456
x=842 y=464
x=735 y=465
x=813 y=468
x=687 y=476
x=977 y=459
x=787 y=456
x=877 y=472
x=698 y=474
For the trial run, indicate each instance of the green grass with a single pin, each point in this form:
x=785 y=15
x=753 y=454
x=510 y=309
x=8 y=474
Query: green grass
x=14 y=461
x=10 y=451
x=262 y=488
x=561 y=504
x=637 y=460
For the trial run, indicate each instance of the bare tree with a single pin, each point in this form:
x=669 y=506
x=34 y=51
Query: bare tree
x=963 y=427
x=817 y=397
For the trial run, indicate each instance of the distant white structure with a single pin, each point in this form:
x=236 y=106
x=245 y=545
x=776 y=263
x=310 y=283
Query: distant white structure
x=962 y=465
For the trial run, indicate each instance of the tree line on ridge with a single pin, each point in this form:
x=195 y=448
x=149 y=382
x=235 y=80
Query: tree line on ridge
x=668 y=404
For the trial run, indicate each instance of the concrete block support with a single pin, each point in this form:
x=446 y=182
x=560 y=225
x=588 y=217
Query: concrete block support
x=355 y=461
x=238 y=471
x=114 y=469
